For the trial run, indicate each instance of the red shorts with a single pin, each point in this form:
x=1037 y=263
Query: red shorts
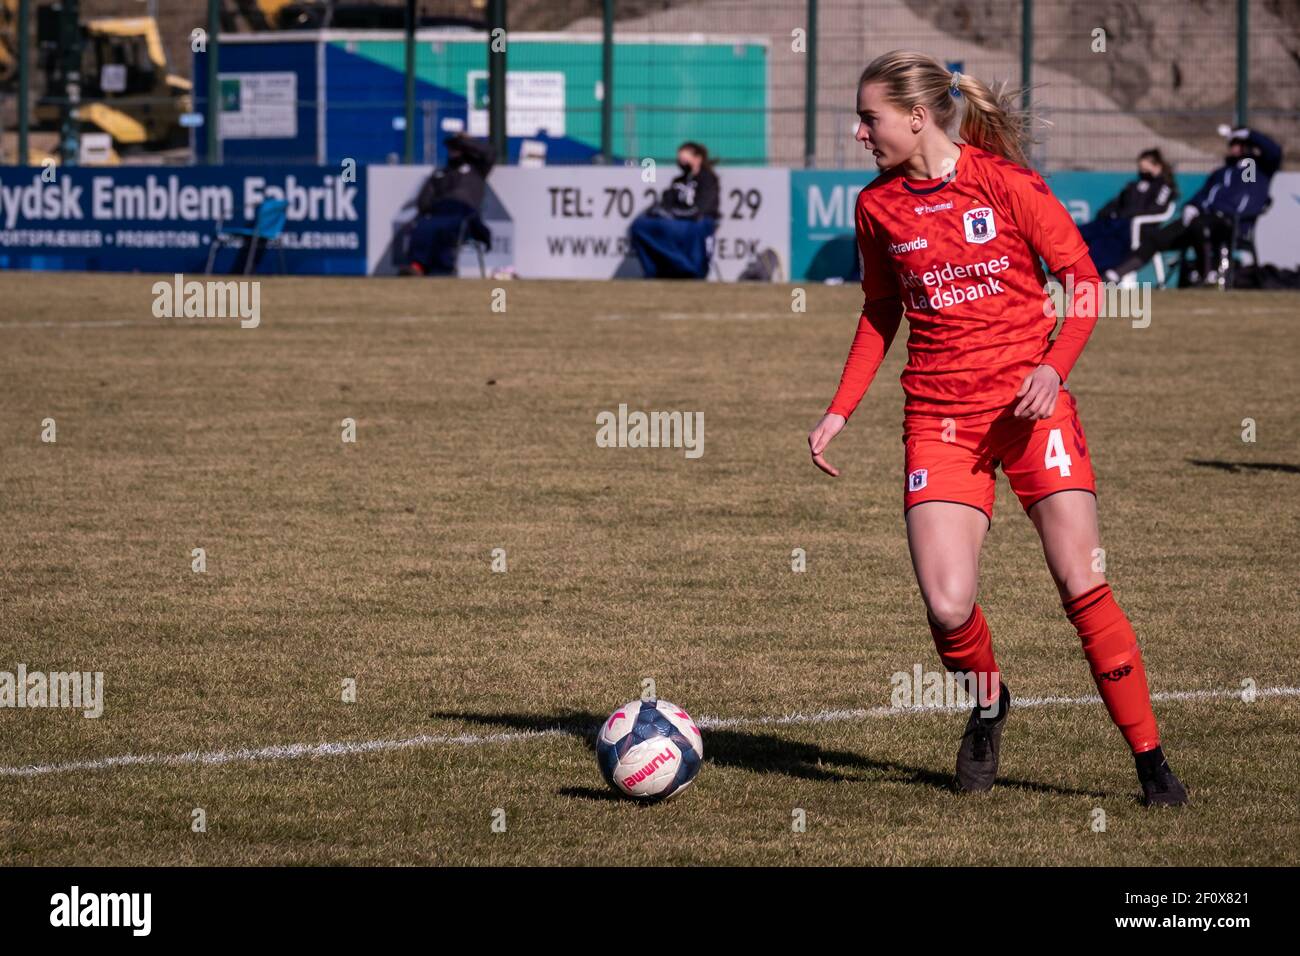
x=955 y=459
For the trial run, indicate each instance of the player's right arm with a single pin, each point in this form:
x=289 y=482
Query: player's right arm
x=882 y=311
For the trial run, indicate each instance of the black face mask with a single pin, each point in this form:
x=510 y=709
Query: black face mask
x=1149 y=177
x=684 y=167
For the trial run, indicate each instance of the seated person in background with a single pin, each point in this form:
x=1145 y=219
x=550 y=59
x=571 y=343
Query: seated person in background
x=450 y=197
x=1237 y=190
x=1110 y=235
x=671 y=237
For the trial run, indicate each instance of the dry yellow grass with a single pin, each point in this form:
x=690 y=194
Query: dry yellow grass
x=475 y=431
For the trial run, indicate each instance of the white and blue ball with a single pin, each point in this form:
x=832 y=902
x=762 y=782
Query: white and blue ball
x=649 y=749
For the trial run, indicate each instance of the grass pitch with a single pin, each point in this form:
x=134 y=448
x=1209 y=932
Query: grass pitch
x=476 y=431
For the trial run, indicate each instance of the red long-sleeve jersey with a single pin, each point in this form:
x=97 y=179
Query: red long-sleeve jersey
x=959 y=256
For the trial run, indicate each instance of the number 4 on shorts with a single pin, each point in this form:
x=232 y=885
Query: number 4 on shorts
x=1056 y=456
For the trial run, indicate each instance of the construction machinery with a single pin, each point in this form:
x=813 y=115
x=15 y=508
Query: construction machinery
x=104 y=74
x=8 y=42
x=111 y=75
x=126 y=87
x=258 y=15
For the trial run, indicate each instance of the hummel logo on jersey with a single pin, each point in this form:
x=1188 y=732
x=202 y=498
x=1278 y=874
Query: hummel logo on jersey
x=922 y=210
x=917 y=243
x=979 y=224
x=916 y=480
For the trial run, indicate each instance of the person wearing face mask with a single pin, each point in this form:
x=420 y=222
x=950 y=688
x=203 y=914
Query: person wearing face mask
x=671 y=239
x=1231 y=198
x=1149 y=194
x=1109 y=236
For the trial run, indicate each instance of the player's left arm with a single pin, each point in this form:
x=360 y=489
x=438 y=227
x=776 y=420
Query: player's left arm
x=1052 y=234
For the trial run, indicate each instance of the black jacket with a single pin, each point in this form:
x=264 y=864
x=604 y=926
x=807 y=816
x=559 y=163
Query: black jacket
x=1141 y=197
x=463 y=179
x=692 y=196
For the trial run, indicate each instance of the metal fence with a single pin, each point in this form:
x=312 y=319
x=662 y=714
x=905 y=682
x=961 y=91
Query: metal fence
x=759 y=82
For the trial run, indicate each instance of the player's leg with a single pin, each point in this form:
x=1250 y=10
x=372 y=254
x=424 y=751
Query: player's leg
x=945 y=540
x=1050 y=471
x=1067 y=525
x=948 y=501
x=948 y=506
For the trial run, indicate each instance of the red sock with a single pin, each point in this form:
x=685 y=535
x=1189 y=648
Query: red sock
x=968 y=650
x=1116 y=662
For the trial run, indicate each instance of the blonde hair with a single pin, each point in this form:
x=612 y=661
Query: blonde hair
x=990 y=121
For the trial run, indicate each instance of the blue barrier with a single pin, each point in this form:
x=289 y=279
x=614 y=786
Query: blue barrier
x=163 y=219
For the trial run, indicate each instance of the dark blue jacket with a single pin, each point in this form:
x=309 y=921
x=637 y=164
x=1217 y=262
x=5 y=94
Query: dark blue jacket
x=1225 y=191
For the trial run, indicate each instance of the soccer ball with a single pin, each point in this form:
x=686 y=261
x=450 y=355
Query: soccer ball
x=649 y=749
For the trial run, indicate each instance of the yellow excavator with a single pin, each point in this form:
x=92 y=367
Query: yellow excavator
x=126 y=87
x=8 y=42
x=260 y=15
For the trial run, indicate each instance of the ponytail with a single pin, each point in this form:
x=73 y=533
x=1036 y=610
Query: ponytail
x=992 y=121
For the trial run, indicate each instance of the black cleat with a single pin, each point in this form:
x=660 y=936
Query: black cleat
x=1160 y=788
x=977 y=757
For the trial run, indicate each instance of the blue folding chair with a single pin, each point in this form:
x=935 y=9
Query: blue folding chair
x=267 y=226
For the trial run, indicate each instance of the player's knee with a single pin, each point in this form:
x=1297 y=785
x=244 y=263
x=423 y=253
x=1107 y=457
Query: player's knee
x=951 y=607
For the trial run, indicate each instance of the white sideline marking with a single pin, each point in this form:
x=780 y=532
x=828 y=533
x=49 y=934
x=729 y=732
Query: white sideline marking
x=705 y=316
x=295 y=751
x=215 y=323
x=1235 y=311
x=829 y=716
x=274 y=752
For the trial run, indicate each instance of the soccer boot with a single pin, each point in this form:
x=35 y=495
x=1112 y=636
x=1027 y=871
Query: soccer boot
x=977 y=757
x=1160 y=788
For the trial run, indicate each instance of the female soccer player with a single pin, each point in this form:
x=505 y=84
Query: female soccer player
x=951 y=234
